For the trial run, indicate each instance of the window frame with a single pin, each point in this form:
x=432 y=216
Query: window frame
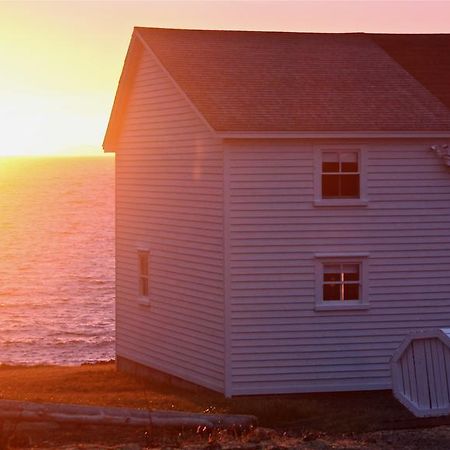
x=361 y=150
x=142 y=298
x=322 y=259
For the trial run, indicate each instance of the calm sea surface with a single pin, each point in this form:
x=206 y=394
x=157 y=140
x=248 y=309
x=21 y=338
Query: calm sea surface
x=56 y=260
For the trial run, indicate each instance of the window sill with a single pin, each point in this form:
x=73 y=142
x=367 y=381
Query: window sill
x=357 y=307
x=341 y=202
x=144 y=301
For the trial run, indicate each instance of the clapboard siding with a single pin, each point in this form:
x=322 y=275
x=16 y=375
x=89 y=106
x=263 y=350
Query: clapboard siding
x=279 y=343
x=169 y=200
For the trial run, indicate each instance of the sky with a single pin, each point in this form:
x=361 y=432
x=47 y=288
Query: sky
x=61 y=60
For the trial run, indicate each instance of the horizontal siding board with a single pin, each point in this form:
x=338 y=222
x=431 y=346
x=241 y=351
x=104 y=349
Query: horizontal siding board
x=179 y=291
x=207 y=271
x=184 y=230
x=314 y=375
x=287 y=336
x=249 y=238
x=186 y=353
x=199 y=309
x=311 y=363
x=303 y=306
x=180 y=253
x=303 y=348
x=407 y=248
x=211 y=215
x=195 y=341
x=356 y=227
x=380 y=320
x=310 y=356
x=279 y=342
x=307 y=215
x=192 y=311
x=341 y=370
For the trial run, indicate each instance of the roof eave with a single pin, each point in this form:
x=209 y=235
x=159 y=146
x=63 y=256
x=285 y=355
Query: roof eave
x=113 y=129
x=445 y=134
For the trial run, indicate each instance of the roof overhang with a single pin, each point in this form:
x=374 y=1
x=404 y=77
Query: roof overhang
x=333 y=134
x=135 y=48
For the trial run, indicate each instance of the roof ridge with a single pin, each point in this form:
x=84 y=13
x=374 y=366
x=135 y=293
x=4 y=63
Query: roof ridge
x=220 y=30
x=365 y=33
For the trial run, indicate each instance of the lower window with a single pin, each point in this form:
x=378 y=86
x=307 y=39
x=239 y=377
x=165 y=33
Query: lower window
x=341 y=281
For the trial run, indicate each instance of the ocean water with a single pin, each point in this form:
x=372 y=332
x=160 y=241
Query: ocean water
x=56 y=260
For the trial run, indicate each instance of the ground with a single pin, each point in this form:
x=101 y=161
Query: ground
x=364 y=420
x=265 y=439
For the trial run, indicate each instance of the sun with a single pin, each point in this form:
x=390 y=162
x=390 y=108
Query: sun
x=38 y=124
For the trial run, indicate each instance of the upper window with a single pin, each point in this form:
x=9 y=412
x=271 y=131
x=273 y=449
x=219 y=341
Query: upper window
x=341 y=281
x=340 y=176
x=144 y=275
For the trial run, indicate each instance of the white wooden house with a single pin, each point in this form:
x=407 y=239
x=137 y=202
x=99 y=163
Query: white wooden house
x=283 y=205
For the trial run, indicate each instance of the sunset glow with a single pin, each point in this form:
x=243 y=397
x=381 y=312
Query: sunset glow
x=61 y=61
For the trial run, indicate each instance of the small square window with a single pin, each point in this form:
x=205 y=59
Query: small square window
x=341 y=281
x=143 y=275
x=339 y=176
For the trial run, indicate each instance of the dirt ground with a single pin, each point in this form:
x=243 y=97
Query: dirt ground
x=437 y=438
x=305 y=422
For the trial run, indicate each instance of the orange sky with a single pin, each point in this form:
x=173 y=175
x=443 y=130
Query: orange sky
x=60 y=60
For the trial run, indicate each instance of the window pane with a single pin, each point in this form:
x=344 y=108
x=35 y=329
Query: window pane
x=143 y=263
x=331 y=272
x=331 y=292
x=351 y=291
x=349 y=167
x=350 y=186
x=351 y=272
x=143 y=286
x=330 y=162
x=349 y=162
x=330 y=186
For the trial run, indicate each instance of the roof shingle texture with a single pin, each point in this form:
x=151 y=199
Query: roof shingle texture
x=271 y=81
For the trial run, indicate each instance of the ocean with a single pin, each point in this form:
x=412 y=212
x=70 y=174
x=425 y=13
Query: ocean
x=56 y=260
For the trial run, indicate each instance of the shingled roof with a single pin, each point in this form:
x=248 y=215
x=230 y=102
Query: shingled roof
x=276 y=81
x=247 y=81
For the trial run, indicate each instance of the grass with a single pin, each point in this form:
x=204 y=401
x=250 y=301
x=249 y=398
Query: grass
x=101 y=384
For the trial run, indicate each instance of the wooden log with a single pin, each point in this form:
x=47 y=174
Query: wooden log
x=96 y=415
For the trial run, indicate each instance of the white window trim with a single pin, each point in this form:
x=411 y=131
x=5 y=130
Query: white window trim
x=347 y=258
x=339 y=202
x=143 y=299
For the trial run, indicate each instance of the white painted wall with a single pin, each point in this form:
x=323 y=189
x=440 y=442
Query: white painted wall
x=278 y=342
x=170 y=201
